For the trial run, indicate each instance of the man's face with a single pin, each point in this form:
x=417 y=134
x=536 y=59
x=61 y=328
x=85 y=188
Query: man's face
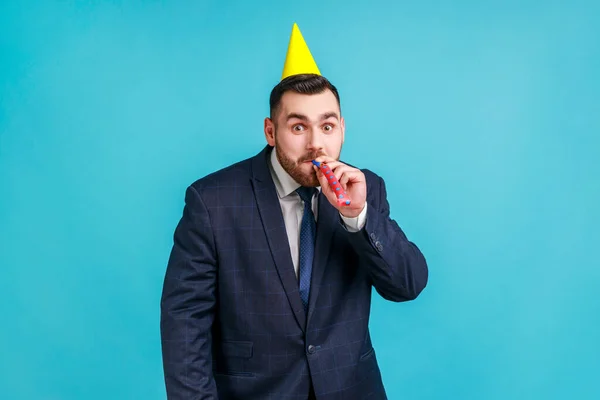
x=306 y=126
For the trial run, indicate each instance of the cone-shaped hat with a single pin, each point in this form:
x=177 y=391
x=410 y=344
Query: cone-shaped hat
x=298 y=60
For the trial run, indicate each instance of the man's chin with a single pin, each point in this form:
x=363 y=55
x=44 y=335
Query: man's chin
x=311 y=180
x=306 y=176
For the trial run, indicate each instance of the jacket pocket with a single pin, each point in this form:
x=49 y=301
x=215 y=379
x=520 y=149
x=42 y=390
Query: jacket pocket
x=367 y=354
x=233 y=359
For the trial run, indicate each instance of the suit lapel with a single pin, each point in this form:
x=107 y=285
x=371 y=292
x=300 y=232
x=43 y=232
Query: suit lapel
x=327 y=222
x=274 y=225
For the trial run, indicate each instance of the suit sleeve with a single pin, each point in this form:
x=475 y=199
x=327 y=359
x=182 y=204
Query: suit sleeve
x=188 y=305
x=397 y=267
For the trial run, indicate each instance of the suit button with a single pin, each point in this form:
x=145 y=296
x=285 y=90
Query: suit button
x=311 y=349
x=372 y=236
x=378 y=246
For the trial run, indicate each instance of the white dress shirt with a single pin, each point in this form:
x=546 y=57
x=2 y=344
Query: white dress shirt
x=292 y=207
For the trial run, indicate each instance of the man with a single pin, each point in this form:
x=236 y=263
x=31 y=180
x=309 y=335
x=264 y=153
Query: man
x=268 y=287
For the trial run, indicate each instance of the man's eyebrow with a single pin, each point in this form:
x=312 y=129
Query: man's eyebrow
x=330 y=114
x=298 y=116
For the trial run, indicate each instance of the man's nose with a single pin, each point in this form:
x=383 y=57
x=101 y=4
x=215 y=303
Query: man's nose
x=315 y=141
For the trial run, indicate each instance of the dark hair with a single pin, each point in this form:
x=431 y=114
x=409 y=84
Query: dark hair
x=303 y=84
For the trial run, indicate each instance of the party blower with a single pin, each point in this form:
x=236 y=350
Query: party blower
x=342 y=197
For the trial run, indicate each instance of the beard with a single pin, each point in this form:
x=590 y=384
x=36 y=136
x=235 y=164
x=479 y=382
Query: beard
x=295 y=168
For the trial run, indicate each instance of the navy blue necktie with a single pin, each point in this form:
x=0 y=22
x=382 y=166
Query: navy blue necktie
x=307 y=243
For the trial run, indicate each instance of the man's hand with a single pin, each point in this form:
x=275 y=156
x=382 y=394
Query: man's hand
x=353 y=182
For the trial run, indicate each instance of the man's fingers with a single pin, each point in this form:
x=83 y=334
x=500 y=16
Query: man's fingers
x=341 y=174
x=351 y=176
x=344 y=179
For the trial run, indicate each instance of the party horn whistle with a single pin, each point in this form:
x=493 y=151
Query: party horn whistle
x=342 y=197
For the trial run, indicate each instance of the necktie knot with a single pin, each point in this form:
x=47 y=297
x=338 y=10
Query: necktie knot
x=306 y=193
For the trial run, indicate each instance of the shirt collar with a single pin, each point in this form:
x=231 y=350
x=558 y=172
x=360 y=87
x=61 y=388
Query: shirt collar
x=284 y=183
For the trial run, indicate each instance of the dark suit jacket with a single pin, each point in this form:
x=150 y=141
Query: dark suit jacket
x=232 y=322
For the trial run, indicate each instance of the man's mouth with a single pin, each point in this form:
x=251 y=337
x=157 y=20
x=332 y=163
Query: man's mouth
x=310 y=160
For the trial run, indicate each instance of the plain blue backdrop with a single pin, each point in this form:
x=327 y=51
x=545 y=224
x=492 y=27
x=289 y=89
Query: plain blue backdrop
x=483 y=117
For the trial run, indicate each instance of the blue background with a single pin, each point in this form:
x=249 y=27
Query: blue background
x=482 y=117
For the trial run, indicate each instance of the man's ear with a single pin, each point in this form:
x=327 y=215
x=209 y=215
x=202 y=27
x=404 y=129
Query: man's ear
x=343 y=126
x=270 y=131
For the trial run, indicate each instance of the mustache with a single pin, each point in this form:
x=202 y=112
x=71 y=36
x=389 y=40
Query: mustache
x=312 y=156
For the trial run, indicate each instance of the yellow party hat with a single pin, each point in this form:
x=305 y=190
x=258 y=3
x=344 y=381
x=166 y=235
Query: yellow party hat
x=298 y=59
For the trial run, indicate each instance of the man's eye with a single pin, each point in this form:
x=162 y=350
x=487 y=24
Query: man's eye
x=328 y=128
x=298 y=128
